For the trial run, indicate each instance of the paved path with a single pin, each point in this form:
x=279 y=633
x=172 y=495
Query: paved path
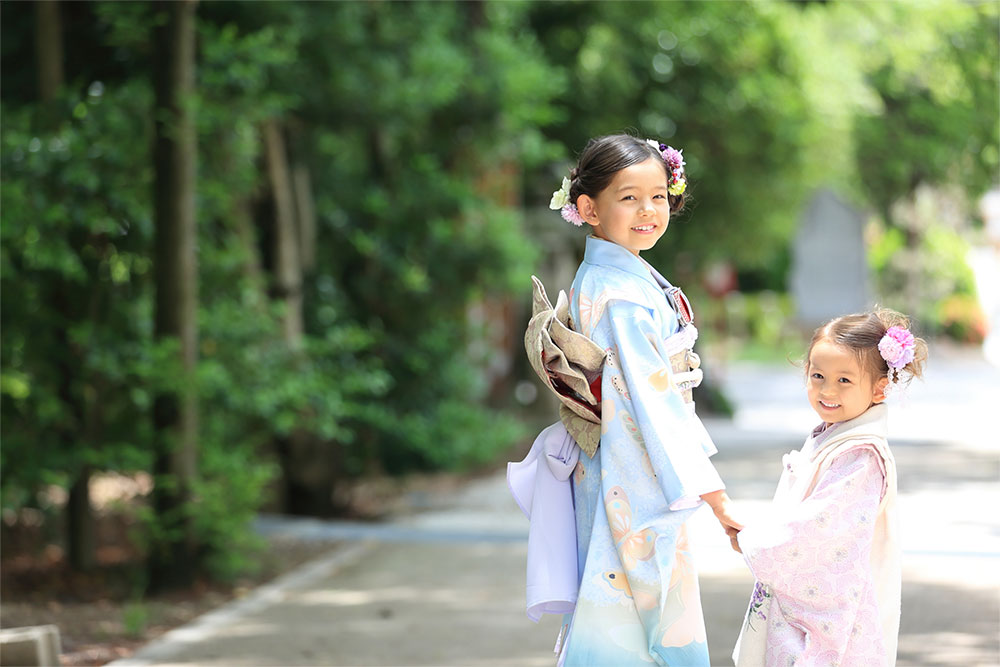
x=445 y=587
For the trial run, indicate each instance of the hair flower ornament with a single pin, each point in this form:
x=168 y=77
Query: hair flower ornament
x=677 y=183
x=897 y=348
x=560 y=202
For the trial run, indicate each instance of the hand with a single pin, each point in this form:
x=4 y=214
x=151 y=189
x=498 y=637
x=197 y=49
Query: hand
x=733 y=533
x=723 y=506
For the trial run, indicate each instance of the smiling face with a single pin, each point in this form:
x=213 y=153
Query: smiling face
x=633 y=211
x=838 y=387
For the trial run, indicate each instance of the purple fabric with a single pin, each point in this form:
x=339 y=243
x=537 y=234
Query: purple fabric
x=540 y=486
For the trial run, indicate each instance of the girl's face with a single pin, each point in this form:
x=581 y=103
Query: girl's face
x=633 y=211
x=839 y=389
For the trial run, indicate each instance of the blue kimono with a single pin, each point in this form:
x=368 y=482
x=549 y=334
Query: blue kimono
x=638 y=601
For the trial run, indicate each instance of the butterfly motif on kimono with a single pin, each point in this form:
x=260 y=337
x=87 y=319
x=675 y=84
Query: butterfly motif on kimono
x=644 y=599
x=632 y=545
x=661 y=379
x=619 y=384
x=591 y=310
x=682 y=593
x=631 y=429
x=608 y=411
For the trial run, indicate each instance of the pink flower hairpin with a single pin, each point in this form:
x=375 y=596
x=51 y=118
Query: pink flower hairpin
x=674 y=158
x=897 y=347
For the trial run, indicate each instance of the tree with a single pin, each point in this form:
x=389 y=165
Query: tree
x=72 y=243
x=175 y=415
x=414 y=104
x=79 y=513
x=80 y=363
x=723 y=82
x=49 y=51
x=929 y=145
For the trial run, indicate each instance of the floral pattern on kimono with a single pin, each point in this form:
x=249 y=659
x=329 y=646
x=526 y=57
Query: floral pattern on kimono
x=639 y=601
x=813 y=561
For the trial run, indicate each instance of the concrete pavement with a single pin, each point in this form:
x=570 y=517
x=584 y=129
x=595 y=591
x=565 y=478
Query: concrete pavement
x=445 y=587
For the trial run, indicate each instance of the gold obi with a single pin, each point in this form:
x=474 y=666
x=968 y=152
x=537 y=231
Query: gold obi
x=571 y=365
x=568 y=363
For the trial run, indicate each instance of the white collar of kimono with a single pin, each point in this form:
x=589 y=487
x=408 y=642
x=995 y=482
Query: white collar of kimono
x=872 y=422
x=608 y=253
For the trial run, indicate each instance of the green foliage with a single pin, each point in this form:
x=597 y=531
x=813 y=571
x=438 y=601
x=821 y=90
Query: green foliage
x=921 y=264
x=135 y=618
x=444 y=105
x=74 y=272
x=720 y=80
x=425 y=129
x=410 y=235
x=934 y=69
x=930 y=145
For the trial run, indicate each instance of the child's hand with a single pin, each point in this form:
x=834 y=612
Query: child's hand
x=723 y=507
x=733 y=533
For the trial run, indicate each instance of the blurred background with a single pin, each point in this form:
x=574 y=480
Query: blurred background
x=275 y=257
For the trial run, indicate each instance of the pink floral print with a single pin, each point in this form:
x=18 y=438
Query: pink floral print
x=813 y=562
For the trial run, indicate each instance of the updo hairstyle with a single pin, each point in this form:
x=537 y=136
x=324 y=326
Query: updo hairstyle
x=603 y=157
x=862 y=332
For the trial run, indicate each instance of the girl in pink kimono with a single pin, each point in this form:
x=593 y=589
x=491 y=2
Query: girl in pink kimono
x=826 y=557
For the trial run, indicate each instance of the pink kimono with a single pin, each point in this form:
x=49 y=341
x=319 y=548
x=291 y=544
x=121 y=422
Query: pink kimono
x=826 y=558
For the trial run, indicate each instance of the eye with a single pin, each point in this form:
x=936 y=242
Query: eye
x=816 y=376
x=660 y=197
x=627 y=197
x=844 y=380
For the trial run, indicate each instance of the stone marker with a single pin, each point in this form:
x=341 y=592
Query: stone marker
x=829 y=274
x=35 y=646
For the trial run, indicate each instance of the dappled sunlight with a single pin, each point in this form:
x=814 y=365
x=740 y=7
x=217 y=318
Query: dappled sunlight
x=522 y=661
x=944 y=648
x=272 y=257
x=337 y=598
x=395 y=594
x=249 y=629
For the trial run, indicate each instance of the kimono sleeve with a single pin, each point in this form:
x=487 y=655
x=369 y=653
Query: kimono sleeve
x=814 y=556
x=640 y=375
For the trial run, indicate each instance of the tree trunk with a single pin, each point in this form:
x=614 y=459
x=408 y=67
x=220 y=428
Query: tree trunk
x=306 y=209
x=80 y=533
x=81 y=546
x=494 y=317
x=173 y=556
x=287 y=265
x=304 y=460
x=48 y=49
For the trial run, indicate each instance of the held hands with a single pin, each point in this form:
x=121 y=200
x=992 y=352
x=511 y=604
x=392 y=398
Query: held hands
x=723 y=508
x=732 y=533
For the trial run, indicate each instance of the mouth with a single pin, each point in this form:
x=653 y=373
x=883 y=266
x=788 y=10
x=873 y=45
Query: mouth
x=829 y=406
x=644 y=229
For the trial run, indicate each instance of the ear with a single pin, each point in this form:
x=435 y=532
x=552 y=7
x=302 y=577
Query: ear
x=878 y=394
x=587 y=207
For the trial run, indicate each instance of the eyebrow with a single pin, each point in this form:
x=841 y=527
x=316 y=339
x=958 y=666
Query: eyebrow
x=813 y=366
x=636 y=187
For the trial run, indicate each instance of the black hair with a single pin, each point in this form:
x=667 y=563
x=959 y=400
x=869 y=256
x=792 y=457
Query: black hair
x=603 y=157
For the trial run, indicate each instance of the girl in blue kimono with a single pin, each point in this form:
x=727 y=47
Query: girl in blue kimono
x=638 y=601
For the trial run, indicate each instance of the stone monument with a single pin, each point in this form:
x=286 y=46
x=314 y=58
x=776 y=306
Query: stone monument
x=829 y=274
